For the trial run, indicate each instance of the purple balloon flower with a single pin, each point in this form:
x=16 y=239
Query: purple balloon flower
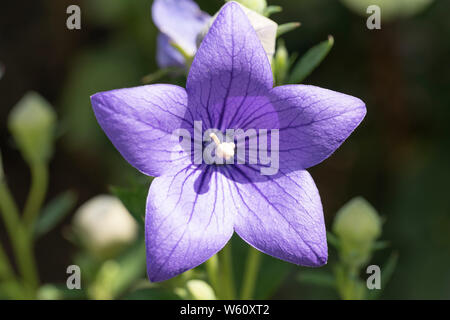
x=193 y=209
x=179 y=21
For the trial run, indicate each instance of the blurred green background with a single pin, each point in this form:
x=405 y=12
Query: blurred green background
x=398 y=159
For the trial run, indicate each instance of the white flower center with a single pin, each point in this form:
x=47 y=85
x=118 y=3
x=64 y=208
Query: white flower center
x=225 y=150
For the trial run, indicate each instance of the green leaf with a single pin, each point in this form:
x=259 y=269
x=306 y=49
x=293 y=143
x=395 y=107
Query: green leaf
x=134 y=199
x=310 y=61
x=55 y=212
x=386 y=274
x=287 y=27
x=318 y=278
x=132 y=267
x=271 y=10
x=10 y=290
x=380 y=245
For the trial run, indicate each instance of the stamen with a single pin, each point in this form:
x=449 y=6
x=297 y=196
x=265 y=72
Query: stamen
x=215 y=138
x=224 y=150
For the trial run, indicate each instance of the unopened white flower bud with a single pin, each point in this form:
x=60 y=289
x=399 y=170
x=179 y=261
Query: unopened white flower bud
x=104 y=226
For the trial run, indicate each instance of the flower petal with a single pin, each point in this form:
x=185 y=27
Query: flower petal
x=281 y=216
x=187 y=221
x=230 y=72
x=166 y=55
x=181 y=21
x=314 y=122
x=140 y=122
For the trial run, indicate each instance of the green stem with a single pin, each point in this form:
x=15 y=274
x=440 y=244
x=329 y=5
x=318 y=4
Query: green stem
x=38 y=190
x=226 y=268
x=10 y=285
x=20 y=240
x=251 y=273
x=212 y=268
x=6 y=271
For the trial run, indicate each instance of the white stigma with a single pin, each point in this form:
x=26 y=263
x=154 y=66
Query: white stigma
x=225 y=150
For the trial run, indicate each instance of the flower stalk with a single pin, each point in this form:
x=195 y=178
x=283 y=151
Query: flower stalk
x=251 y=274
x=227 y=289
x=36 y=196
x=212 y=269
x=20 y=240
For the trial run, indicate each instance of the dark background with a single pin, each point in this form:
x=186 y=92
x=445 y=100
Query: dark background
x=398 y=159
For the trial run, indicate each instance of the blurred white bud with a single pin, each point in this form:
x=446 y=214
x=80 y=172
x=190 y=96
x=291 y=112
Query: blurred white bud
x=265 y=28
x=104 y=225
x=200 y=290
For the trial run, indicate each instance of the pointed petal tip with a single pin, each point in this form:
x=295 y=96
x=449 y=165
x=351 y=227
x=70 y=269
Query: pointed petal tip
x=322 y=259
x=95 y=98
x=182 y=231
x=314 y=259
x=232 y=6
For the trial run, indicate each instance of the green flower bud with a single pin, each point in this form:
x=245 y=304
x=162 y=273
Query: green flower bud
x=32 y=123
x=200 y=290
x=255 y=5
x=281 y=63
x=357 y=221
x=357 y=225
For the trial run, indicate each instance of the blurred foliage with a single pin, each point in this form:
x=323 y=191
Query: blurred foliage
x=311 y=60
x=54 y=212
x=398 y=159
x=390 y=9
x=356 y=228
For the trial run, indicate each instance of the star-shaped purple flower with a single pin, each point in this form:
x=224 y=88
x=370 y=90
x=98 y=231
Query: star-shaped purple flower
x=193 y=209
